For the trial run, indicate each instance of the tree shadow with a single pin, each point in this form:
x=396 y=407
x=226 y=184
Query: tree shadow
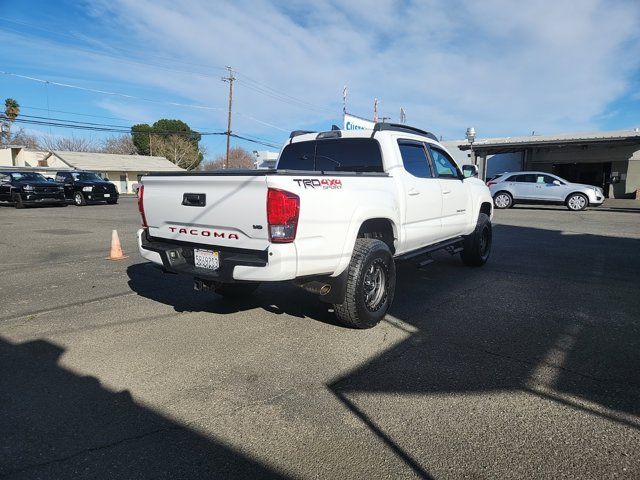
x=553 y=315
x=57 y=424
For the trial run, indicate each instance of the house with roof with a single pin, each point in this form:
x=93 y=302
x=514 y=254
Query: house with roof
x=124 y=171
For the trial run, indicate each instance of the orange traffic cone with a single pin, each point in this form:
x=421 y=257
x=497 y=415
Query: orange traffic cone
x=116 y=249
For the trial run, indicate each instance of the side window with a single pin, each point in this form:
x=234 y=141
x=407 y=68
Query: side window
x=445 y=167
x=4 y=178
x=528 y=178
x=59 y=178
x=549 y=179
x=523 y=178
x=414 y=159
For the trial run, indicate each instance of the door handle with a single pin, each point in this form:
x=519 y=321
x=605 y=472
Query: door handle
x=444 y=192
x=194 y=199
x=413 y=192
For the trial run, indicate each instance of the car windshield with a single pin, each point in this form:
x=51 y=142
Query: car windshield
x=28 y=177
x=86 y=177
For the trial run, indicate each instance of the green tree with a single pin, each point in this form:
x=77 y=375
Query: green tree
x=11 y=112
x=141 y=133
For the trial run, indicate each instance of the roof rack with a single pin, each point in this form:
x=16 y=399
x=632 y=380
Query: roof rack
x=398 y=127
x=295 y=133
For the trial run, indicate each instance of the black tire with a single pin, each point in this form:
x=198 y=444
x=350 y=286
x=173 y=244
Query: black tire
x=577 y=202
x=17 y=201
x=112 y=202
x=371 y=283
x=79 y=200
x=503 y=200
x=236 y=290
x=477 y=246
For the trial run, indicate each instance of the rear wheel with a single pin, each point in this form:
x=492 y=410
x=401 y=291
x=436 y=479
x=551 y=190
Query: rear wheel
x=477 y=246
x=371 y=281
x=577 y=202
x=503 y=200
x=112 y=201
x=236 y=290
x=79 y=200
x=17 y=201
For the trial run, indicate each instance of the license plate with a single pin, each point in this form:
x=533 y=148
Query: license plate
x=206 y=259
x=107 y=195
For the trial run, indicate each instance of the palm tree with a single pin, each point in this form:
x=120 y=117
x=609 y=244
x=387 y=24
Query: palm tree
x=11 y=112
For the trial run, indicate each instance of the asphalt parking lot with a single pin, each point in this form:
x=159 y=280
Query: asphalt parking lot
x=526 y=368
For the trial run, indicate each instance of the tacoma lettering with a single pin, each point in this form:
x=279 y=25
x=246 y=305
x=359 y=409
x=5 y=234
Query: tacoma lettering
x=204 y=233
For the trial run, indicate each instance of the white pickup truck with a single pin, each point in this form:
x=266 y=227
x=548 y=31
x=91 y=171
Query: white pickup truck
x=339 y=210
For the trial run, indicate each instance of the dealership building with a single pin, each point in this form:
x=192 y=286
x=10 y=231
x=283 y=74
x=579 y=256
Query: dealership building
x=610 y=160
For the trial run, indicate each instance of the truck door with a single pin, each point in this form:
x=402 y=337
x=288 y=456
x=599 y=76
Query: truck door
x=423 y=200
x=456 y=201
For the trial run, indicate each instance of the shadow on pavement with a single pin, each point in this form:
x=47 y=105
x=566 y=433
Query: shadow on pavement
x=177 y=291
x=544 y=298
x=554 y=315
x=57 y=424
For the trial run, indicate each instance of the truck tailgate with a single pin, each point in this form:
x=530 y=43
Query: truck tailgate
x=223 y=210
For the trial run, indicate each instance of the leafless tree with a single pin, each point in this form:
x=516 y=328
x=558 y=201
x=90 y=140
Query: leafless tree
x=176 y=149
x=238 y=158
x=69 y=144
x=21 y=137
x=122 y=144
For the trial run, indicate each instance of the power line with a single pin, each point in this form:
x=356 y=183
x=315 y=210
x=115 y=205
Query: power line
x=128 y=96
x=95 y=127
x=248 y=81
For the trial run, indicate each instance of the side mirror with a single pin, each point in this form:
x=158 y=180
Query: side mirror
x=469 y=171
x=557 y=182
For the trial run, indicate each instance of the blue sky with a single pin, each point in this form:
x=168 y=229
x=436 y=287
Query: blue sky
x=507 y=68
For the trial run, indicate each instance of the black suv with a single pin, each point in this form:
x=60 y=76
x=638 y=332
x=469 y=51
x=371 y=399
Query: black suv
x=81 y=187
x=30 y=188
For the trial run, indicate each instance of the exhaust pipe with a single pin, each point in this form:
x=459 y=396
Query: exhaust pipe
x=315 y=287
x=200 y=285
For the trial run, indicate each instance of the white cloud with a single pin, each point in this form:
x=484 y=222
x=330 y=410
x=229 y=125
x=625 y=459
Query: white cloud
x=505 y=67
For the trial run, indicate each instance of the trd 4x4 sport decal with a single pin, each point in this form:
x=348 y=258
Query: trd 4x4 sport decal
x=325 y=183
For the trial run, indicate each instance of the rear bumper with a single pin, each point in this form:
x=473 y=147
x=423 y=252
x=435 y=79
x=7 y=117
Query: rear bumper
x=276 y=263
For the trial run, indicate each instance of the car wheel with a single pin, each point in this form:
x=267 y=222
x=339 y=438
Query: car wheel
x=503 y=200
x=17 y=201
x=477 y=246
x=371 y=283
x=577 y=202
x=236 y=290
x=79 y=200
x=112 y=202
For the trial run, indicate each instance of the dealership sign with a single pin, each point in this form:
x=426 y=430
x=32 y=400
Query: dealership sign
x=351 y=122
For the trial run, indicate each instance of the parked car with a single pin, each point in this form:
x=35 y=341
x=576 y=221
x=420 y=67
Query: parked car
x=29 y=188
x=540 y=187
x=341 y=207
x=81 y=187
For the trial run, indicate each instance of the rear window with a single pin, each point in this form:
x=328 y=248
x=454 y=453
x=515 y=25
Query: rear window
x=333 y=155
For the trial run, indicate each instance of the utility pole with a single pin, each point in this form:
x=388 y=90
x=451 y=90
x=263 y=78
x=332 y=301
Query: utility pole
x=229 y=79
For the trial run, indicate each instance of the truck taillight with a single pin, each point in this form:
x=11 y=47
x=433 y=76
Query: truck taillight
x=283 y=209
x=141 y=205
